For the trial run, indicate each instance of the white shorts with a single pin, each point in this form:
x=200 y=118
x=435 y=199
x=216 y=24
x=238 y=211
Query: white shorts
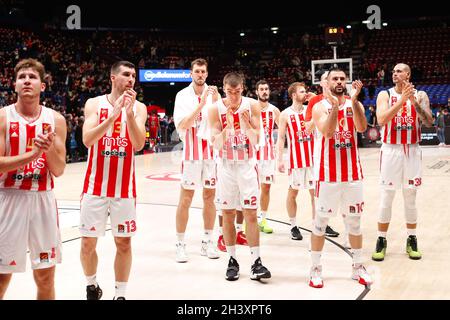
x=237 y=184
x=400 y=166
x=198 y=174
x=28 y=219
x=301 y=178
x=266 y=171
x=332 y=196
x=94 y=215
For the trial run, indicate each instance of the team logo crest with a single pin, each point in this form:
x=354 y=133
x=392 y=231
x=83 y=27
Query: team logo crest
x=43 y=256
x=411 y=182
x=352 y=209
x=349 y=112
x=120 y=228
x=103 y=114
x=246 y=202
x=46 y=128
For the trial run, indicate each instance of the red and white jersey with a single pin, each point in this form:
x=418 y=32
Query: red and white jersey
x=267 y=152
x=34 y=176
x=404 y=128
x=238 y=146
x=300 y=140
x=110 y=171
x=337 y=159
x=194 y=147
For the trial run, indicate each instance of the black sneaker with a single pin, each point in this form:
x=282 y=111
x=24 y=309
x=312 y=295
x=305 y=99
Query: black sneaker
x=93 y=292
x=258 y=271
x=296 y=234
x=119 y=298
x=331 y=233
x=232 y=270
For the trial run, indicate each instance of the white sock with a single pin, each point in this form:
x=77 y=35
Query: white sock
x=92 y=280
x=238 y=227
x=357 y=256
x=382 y=234
x=221 y=230
x=121 y=288
x=293 y=222
x=315 y=257
x=255 y=253
x=180 y=237
x=231 y=251
x=411 y=232
x=263 y=215
x=207 y=235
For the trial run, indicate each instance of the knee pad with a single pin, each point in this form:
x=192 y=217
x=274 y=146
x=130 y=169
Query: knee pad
x=320 y=225
x=387 y=197
x=409 y=203
x=353 y=225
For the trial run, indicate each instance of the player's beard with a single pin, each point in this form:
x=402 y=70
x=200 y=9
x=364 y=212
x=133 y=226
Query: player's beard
x=263 y=99
x=338 y=93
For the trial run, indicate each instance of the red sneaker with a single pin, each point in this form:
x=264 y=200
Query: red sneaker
x=241 y=238
x=221 y=244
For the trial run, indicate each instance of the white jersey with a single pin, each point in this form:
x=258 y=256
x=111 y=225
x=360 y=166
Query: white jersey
x=20 y=133
x=195 y=145
x=238 y=146
x=267 y=152
x=300 y=140
x=404 y=128
x=110 y=171
x=337 y=159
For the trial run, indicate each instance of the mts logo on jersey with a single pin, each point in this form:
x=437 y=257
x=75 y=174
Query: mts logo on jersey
x=115 y=142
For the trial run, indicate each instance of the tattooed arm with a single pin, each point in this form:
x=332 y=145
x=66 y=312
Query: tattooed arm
x=422 y=105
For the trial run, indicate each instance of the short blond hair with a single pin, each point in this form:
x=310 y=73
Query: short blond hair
x=293 y=87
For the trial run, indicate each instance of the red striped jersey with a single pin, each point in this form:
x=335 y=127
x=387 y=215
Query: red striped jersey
x=110 y=171
x=267 y=152
x=300 y=141
x=35 y=176
x=238 y=146
x=194 y=147
x=337 y=159
x=404 y=128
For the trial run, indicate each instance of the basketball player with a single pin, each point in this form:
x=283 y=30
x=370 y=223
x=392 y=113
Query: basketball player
x=400 y=112
x=198 y=167
x=266 y=155
x=235 y=125
x=312 y=101
x=153 y=128
x=32 y=152
x=300 y=152
x=113 y=131
x=337 y=172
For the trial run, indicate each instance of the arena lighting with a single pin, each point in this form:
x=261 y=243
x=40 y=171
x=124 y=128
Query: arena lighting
x=275 y=31
x=274 y=28
x=385 y=24
x=242 y=34
x=349 y=27
x=172 y=83
x=365 y=21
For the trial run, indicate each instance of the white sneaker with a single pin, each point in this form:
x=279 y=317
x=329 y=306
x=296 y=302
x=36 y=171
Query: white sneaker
x=360 y=274
x=181 y=253
x=209 y=249
x=315 y=277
